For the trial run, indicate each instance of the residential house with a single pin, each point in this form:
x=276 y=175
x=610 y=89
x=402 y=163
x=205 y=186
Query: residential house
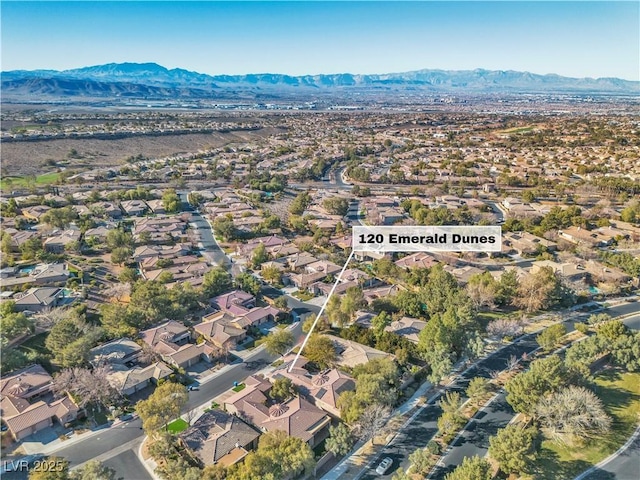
x=296 y=417
x=221 y=330
x=322 y=389
x=36 y=212
x=524 y=243
x=351 y=354
x=170 y=341
x=417 y=260
x=122 y=351
x=57 y=242
x=27 y=406
x=134 y=208
x=41 y=274
x=407 y=327
x=581 y=236
x=219 y=438
x=37 y=299
x=128 y=381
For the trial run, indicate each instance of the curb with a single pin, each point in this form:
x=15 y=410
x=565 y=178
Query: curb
x=611 y=457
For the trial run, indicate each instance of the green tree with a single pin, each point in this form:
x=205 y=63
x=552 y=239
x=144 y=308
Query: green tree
x=118 y=238
x=421 y=461
x=340 y=441
x=171 y=201
x=121 y=255
x=611 y=330
x=320 y=350
x=162 y=406
x=514 y=448
x=278 y=456
x=477 y=389
x=551 y=336
x=128 y=275
x=631 y=213
x=507 y=287
x=279 y=342
x=259 y=255
x=283 y=389
x=281 y=302
x=93 y=470
x=216 y=281
x=272 y=275
x=336 y=205
x=59 y=217
x=51 y=468
x=248 y=283
x=471 y=468
x=225 y=228
x=300 y=203
x=380 y=322
x=525 y=390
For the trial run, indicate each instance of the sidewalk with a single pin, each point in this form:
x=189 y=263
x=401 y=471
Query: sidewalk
x=363 y=452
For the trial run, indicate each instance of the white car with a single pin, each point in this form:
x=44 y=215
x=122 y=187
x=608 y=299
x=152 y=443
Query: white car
x=384 y=466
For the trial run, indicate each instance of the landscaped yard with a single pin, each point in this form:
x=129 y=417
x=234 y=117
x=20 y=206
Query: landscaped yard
x=177 y=426
x=303 y=295
x=47 y=178
x=620 y=393
x=239 y=387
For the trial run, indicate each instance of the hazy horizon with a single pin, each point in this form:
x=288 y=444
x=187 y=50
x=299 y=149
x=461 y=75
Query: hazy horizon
x=587 y=39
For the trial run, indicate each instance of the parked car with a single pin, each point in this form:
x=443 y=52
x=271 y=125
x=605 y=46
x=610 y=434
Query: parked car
x=193 y=388
x=384 y=466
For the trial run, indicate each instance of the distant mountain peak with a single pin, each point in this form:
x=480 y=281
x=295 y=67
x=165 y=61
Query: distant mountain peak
x=179 y=81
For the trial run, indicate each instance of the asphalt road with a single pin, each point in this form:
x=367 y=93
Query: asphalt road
x=626 y=466
x=475 y=438
x=475 y=441
x=423 y=428
x=128 y=462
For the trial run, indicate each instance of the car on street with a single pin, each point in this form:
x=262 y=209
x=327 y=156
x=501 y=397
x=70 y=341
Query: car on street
x=384 y=466
x=193 y=388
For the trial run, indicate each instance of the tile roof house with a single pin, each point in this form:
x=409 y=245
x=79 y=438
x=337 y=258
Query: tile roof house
x=407 y=327
x=321 y=389
x=23 y=412
x=220 y=329
x=131 y=380
x=38 y=299
x=352 y=353
x=170 y=340
x=121 y=351
x=417 y=260
x=60 y=239
x=296 y=417
x=134 y=207
x=217 y=437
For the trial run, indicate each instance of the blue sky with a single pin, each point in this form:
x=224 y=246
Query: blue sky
x=595 y=39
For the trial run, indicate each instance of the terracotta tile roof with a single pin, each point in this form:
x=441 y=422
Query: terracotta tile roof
x=216 y=434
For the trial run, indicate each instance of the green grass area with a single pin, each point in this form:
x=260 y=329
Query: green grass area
x=520 y=129
x=620 y=393
x=239 y=387
x=303 y=295
x=177 y=426
x=9 y=182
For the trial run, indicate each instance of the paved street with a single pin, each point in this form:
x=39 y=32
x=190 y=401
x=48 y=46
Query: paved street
x=475 y=442
x=625 y=466
x=475 y=438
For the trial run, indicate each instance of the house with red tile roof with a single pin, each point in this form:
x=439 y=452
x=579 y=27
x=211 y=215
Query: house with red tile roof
x=296 y=417
x=26 y=403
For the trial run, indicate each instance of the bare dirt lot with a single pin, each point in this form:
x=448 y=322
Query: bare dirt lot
x=26 y=158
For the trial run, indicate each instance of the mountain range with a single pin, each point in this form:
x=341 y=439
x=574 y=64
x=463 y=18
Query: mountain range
x=150 y=80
